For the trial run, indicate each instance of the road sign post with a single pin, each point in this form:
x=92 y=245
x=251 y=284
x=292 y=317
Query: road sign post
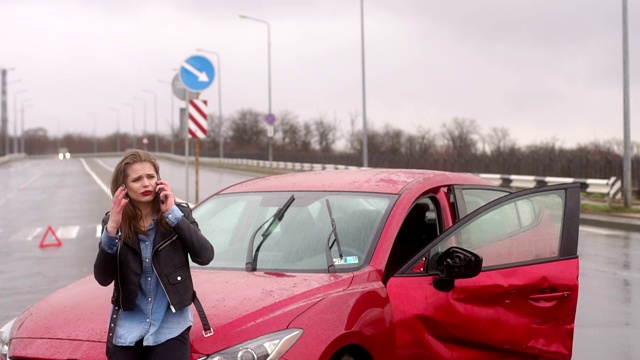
x=196 y=74
x=197 y=129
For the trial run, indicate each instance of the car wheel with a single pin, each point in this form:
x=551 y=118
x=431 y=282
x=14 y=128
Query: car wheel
x=345 y=357
x=351 y=355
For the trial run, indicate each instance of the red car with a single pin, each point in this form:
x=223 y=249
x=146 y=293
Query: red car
x=359 y=264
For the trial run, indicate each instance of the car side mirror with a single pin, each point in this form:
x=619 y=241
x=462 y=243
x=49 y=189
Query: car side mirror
x=456 y=263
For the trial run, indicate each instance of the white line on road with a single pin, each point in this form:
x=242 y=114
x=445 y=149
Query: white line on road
x=95 y=177
x=601 y=231
x=104 y=165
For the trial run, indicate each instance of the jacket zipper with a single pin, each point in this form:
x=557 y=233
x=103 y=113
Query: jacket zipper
x=119 y=282
x=165 y=243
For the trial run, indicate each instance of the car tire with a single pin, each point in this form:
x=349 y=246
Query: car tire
x=350 y=354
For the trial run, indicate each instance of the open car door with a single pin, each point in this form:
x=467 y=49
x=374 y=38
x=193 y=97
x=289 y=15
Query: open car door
x=502 y=283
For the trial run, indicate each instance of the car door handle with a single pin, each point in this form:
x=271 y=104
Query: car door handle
x=550 y=297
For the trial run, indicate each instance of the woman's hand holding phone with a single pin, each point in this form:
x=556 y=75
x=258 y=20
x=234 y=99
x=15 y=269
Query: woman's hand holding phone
x=167 y=199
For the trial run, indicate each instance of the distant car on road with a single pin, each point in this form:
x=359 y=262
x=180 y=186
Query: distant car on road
x=63 y=154
x=359 y=264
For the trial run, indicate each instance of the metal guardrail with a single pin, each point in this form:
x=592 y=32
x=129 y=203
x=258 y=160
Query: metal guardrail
x=611 y=187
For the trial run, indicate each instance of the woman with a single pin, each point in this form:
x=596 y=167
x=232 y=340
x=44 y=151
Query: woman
x=146 y=239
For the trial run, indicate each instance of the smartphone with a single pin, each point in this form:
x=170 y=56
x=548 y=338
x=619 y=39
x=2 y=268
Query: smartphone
x=160 y=192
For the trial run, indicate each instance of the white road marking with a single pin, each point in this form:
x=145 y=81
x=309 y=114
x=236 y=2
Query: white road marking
x=21 y=187
x=33 y=233
x=95 y=177
x=25 y=234
x=104 y=165
x=601 y=231
x=28 y=182
x=67 y=232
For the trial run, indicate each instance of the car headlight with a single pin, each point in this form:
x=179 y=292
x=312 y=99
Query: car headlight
x=271 y=347
x=4 y=339
x=60 y=156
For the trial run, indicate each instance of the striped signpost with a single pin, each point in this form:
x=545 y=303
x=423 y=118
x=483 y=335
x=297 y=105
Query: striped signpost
x=197 y=129
x=198 y=119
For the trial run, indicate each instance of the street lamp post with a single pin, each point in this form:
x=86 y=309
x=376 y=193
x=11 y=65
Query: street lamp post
x=144 y=120
x=365 y=145
x=3 y=108
x=220 y=135
x=15 y=119
x=133 y=124
x=25 y=103
x=626 y=161
x=117 y=127
x=155 y=112
x=172 y=112
x=269 y=69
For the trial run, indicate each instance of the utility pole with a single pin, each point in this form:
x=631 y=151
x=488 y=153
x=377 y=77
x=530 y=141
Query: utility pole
x=365 y=145
x=626 y=164
x=5 y=132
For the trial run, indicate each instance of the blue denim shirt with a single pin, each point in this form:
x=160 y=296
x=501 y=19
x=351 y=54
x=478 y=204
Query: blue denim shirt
x=152 y=320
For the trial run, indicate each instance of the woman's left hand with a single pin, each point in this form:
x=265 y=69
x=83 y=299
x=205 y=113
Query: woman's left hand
x=167 y=198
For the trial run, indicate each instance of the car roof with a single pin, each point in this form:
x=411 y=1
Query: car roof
x=390 y=181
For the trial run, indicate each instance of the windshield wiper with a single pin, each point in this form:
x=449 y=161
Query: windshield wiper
x=336 y=241
x=252 y=258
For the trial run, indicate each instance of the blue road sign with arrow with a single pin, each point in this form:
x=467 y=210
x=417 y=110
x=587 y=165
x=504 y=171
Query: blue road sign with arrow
x=197 y=73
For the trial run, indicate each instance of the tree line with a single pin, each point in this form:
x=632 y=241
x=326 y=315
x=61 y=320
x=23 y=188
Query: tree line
x=457 y=145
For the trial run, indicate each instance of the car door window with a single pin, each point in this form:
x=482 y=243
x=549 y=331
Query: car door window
x=525 y=229
x=466 y=199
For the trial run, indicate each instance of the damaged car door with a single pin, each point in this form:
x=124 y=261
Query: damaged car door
x=500 y=283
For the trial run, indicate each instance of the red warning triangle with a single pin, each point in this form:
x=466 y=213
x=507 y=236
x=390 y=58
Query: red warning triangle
x=50 y=244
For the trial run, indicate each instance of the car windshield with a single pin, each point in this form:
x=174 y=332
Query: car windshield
x=301 y=238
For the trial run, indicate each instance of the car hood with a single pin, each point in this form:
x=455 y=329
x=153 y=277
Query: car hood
x=237 y=303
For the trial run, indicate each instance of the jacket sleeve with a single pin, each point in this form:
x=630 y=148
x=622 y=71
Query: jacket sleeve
x=199 y=248
x=105 y=266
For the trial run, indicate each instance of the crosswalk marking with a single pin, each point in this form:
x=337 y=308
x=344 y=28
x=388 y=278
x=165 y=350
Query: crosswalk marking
x=63 y=232
x=26 y=234
x=33 y=233
x=67 y=232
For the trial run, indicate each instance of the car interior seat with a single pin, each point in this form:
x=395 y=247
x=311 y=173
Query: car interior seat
x=415 y=233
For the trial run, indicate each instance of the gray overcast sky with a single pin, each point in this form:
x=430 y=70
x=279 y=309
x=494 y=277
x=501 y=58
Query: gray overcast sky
x=544 y=69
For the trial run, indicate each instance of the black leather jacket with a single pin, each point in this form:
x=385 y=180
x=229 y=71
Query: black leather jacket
x=170 y=263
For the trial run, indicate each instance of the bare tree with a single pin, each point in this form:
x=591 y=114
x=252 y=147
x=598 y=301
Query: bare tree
x=247 y=129
x=391 y=140
x=289 y=131
x=461 y=136
x=306 y=137
x=419 y=144
x=326 y=133
x=499 y=140
x=354 y=138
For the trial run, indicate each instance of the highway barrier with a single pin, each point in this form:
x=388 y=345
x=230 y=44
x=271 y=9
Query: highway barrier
x=611 y=187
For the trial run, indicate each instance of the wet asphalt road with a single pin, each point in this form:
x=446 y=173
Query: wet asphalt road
x=65 y=195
